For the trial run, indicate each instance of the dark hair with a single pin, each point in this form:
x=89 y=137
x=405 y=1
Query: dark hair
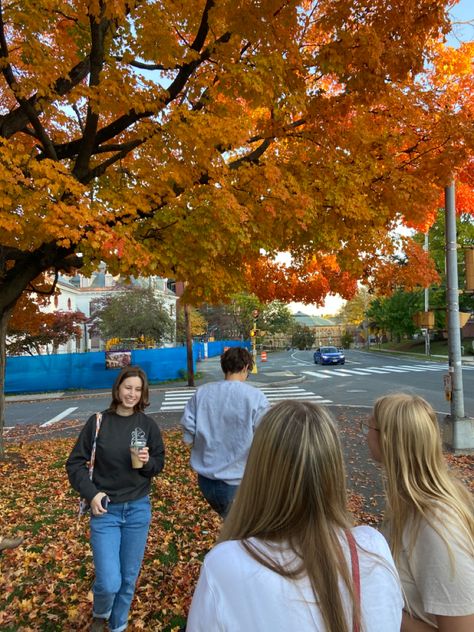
x=131 y=371
x=236 y=359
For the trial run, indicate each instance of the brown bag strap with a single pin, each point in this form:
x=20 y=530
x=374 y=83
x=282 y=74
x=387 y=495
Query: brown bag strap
x=98 y=421
x=355 y=577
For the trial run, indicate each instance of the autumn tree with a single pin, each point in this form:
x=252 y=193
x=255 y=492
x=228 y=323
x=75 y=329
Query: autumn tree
x=198 y=325
x=353 y=312
x=196 y=139
x=132 y=314
x=37 y=333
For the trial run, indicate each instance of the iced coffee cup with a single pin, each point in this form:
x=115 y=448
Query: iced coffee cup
x=135 y=447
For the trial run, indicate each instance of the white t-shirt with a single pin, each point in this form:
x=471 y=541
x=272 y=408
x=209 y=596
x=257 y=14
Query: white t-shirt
x=237 y=594
x=431 y=585
x=219 y=421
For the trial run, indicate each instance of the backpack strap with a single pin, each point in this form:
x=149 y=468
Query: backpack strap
x=355 y=577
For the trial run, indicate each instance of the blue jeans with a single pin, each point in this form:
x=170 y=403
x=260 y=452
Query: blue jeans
x=217 y=493
x=118 y=540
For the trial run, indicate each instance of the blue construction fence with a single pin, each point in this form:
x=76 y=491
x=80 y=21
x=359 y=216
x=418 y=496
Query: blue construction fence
x=76 y=371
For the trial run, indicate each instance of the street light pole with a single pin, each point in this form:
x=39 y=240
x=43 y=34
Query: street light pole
x=459 y=430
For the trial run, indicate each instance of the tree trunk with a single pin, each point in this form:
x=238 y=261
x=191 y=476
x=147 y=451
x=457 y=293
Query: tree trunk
x=3 y=358
x=189 y=344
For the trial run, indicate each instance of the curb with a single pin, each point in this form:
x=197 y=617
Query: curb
x=291 y=380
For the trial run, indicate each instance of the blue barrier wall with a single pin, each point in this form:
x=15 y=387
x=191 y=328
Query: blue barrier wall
x=217 y=347
x=70 y=371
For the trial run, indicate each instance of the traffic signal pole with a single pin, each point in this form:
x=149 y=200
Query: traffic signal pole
x=459 y=430
x=253 y=335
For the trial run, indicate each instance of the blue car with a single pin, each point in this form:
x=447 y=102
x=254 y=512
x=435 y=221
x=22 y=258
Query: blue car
x=329 y=355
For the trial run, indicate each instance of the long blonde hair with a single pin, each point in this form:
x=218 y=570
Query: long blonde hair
x=417 y=481
x=294 y=492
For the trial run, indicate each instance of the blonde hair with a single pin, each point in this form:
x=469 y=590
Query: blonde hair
x=294 y=492
x=417 y=481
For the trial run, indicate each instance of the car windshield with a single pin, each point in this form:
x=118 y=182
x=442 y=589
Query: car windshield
x=329 y=350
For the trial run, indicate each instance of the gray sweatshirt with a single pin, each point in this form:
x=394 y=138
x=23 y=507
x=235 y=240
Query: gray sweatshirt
x=219 y=421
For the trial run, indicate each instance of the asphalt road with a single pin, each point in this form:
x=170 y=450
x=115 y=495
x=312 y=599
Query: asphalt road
x=292 y=374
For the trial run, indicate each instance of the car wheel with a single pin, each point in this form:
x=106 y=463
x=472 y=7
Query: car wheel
x=343 y=362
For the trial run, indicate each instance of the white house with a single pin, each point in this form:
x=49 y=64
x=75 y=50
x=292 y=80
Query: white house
x=78 y=292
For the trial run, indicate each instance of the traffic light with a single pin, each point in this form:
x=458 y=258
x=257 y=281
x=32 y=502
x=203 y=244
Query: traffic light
x=469 y=268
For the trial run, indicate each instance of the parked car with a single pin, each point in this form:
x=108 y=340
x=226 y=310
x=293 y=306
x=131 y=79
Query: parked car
x=329 y=355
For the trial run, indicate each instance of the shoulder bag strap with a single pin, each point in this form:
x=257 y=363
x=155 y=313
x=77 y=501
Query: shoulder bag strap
x=355 y=575
x=98 y=421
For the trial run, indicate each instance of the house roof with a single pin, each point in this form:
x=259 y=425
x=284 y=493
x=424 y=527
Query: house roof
x=312 y=321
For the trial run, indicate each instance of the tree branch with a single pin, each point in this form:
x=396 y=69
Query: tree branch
x=17 y=119
x=203 y=27
x=96 y=56
x=253 y=156
x=101 y=169
x=31 y=288
x=69 y=150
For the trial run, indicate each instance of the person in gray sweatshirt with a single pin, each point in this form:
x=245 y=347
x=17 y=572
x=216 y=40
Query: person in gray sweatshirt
x=219 y=422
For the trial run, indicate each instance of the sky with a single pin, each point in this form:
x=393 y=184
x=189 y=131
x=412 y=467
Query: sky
x=463 y=14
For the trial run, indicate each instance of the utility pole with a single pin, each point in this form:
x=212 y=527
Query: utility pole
x=189 y=343
x=459 y=430
x=427 y=304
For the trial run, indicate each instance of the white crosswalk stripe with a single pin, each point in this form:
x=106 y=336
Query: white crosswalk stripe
x=351 y=371
x=371 y=370
x=316 y=374
x=429 y=367
x=175 y=401
x=277 y=394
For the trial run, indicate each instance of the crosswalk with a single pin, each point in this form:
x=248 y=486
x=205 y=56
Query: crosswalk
x=324 y=374
x=175 y=400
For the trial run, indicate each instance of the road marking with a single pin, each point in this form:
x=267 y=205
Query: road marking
x=66 y=412
x=351 y=371
x=316 y=374
x=416 y=369
x=179 y=395
x=387 y=368
x=394 y=369
x=175 y=401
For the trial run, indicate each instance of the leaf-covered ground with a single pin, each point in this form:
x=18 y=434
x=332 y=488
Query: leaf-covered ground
x=45 y=584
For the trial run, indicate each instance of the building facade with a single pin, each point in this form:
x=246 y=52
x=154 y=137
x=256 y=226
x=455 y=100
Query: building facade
x=78 y=293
